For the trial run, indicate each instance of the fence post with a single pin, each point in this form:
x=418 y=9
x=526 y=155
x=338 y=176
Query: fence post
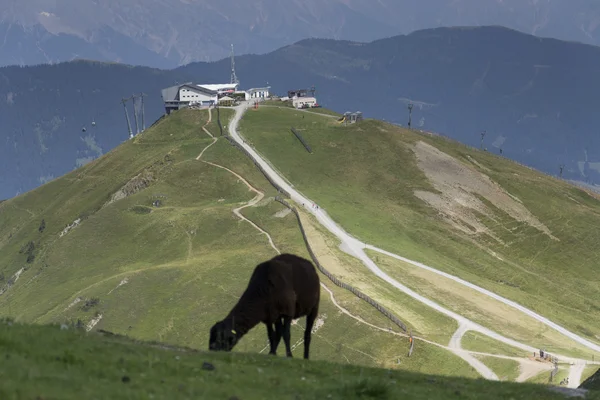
x=411 y=340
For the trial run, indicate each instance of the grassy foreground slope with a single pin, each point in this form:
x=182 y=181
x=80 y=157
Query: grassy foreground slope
x=168 y=273
x=47 y=362
x=592 y=382
x=510 y=229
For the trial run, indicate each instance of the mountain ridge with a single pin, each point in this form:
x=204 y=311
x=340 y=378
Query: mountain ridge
x=518 y=88
x=171 y=29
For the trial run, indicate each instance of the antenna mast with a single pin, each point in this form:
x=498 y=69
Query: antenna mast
x=234 y=78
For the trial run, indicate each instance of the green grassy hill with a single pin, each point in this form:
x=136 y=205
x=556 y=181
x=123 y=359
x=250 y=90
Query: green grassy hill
x=92 y=249
x=168 y=273
x=515 y=231
x=46 y=362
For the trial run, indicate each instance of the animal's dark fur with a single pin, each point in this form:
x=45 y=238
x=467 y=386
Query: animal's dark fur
x=283 y=288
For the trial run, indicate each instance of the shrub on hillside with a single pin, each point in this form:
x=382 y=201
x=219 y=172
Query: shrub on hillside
x=90 y=303
x=27 y=248
x=141 y=209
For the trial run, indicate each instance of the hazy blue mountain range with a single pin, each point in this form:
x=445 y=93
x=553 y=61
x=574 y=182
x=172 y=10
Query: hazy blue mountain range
x=536 y=98
x=168 y=33
x=34 y=45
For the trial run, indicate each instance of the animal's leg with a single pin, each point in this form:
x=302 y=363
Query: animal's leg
x=287 y=323
x=310 y=320
x=278 y=331
x=271 y=335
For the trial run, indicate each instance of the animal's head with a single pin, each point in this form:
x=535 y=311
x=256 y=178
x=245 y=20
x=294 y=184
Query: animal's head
x=223 y=337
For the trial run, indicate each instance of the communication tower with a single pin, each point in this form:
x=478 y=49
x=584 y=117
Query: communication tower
x=234 y=78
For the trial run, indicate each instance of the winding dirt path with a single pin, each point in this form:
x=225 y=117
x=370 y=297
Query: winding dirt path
x=259 y=195
x=528 y=370
x=528 y=367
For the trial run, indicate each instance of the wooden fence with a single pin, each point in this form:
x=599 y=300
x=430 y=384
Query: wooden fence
x=412 y=345
x=554 y=372
x=323 y=270
x=335 y=280
x=219 y=120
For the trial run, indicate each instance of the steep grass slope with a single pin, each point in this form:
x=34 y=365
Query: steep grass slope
x=592 y=382
x=46 y=362
x=92 y=247
x=510 y=229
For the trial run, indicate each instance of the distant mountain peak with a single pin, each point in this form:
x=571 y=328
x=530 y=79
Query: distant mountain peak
x=179 y=32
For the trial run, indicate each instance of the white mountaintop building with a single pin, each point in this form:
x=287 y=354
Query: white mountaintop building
x=191 y=94
x=300 y=102
x=209 y=94
x=221 y=87
x=258 y=93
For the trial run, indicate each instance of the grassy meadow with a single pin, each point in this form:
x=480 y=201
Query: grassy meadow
x=367 y=177
x=168 y=273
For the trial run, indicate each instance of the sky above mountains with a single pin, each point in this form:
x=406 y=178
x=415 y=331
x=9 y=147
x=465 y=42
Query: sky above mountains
x=168 y=33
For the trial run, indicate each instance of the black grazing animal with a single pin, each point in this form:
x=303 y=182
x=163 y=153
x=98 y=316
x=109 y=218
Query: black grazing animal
x=283 y=288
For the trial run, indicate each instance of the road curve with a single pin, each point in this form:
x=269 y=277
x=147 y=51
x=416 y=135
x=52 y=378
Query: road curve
x=356 y=248
x=259 y=195
x=455 y=348
x=575 y=373
x=495 y=296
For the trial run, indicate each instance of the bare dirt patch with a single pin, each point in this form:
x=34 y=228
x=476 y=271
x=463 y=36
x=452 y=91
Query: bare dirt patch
x=136 y=184
x=77 y=300
x=283 y=213
x=459 y=186
x=11 y=281
x=123 y=282
x=476 y=163
x=319 y=323
x=93 y=323
x=573 y=200
x=71 y=226
x=528 y=370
